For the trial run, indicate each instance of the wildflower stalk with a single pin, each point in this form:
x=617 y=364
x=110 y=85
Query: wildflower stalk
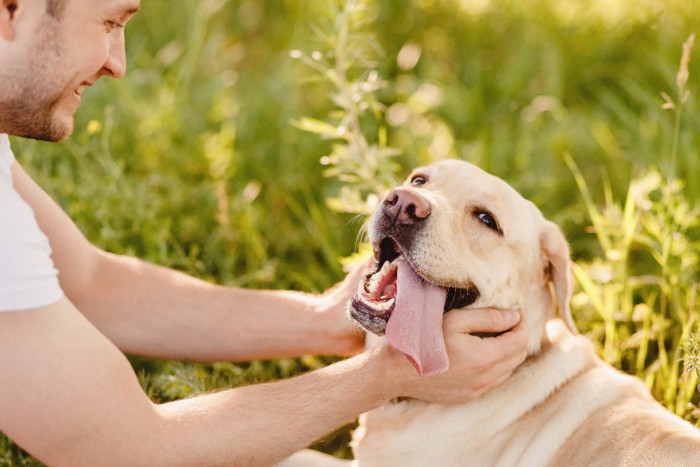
x=356 y=137
x=682 y=97
x=643 y=289
x=364 y=168
x=691 y=360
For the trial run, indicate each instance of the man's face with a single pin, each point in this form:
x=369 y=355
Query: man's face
x=50 y=61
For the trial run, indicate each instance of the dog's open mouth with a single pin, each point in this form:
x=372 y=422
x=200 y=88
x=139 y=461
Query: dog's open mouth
x=395 y=300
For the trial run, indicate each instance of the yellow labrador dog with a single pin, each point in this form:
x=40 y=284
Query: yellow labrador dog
x=452 y=237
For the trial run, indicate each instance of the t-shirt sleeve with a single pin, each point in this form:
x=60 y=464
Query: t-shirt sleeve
x=6 y=158
x=28 y=278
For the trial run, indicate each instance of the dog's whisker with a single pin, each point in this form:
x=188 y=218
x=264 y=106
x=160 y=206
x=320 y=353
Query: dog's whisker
x=362 y=235
x=356 y=218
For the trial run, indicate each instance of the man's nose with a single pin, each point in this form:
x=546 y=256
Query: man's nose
x=115 y=66
x=405 y=206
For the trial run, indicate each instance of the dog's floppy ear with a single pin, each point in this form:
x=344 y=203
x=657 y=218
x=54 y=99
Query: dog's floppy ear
x=555 y=250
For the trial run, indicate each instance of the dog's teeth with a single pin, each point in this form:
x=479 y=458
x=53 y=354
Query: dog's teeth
x=385 y=267
x=373 y=283
x=362 y=298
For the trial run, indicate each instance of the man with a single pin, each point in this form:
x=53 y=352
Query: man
x=68 y=310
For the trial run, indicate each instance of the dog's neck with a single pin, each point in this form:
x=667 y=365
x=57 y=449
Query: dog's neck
x=562 y=357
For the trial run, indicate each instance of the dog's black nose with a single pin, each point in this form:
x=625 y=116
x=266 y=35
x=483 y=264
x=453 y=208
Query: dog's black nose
x=405 y=206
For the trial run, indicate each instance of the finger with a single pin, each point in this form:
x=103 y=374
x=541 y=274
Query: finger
x=493 y=375
x=483 y=320
x=499 y=362
x=358 y=271
x=511 y=343
x=359 y=266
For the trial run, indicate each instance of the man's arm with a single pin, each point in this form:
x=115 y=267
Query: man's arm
x=150 y=310
x=69 y=396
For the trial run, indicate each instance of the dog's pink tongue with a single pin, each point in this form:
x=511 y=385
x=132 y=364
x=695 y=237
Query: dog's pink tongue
x=415 y=325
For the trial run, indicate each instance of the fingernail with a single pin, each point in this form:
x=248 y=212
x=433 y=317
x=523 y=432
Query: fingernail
x=512 y=316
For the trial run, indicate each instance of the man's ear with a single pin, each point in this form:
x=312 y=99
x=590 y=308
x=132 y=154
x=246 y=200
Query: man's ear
x=8 y=14
x=555 y=250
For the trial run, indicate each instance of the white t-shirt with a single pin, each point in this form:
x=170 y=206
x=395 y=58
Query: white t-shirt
x=28 y=278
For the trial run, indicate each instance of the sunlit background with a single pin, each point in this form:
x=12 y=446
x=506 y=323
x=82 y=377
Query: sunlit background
x=200 y=158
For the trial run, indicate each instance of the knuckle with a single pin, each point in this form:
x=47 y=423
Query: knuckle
x=450 y=319
x=491 y=355
x=484 y=364
x=456 y=323
x=490 y=317
x=522 y=356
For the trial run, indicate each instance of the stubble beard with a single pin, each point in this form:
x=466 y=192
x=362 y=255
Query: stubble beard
x=29 y=104
x=29 y=117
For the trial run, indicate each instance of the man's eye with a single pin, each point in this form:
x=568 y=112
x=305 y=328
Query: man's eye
x=418 y=180
x=487 y=218
x=112 y=25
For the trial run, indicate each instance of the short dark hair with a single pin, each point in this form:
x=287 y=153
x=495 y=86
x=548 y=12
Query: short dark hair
x=55 y=7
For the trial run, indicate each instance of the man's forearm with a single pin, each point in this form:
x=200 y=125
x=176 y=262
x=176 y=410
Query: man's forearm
x=150 y=310
x=262 y=424
x=83 y=395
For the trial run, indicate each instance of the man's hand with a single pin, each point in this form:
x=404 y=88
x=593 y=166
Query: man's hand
x=477 y=364
x=332 y=305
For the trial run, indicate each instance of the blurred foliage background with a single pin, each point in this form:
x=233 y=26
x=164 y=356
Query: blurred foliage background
x=239 y=149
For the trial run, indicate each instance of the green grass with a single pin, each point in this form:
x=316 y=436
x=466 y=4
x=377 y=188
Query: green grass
x=200 y=160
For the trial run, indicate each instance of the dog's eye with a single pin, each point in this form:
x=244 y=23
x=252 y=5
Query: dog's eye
x=488 y=219
x=418 y=180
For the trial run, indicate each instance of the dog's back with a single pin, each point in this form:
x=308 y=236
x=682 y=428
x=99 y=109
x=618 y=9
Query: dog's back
x=632 y=432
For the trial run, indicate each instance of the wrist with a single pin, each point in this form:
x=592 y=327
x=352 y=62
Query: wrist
x=394 y=372
x=345 y=338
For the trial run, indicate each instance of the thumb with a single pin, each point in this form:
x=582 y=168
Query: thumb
x=355 y=274
x=485 y=320
x=360 y=269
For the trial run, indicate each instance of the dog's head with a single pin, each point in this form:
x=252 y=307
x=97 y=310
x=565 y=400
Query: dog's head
x=453 y=236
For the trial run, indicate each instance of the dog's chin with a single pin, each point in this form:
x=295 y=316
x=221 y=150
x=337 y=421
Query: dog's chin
x=376 y=296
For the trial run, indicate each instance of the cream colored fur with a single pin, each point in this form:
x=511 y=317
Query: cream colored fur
x=563 y=406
